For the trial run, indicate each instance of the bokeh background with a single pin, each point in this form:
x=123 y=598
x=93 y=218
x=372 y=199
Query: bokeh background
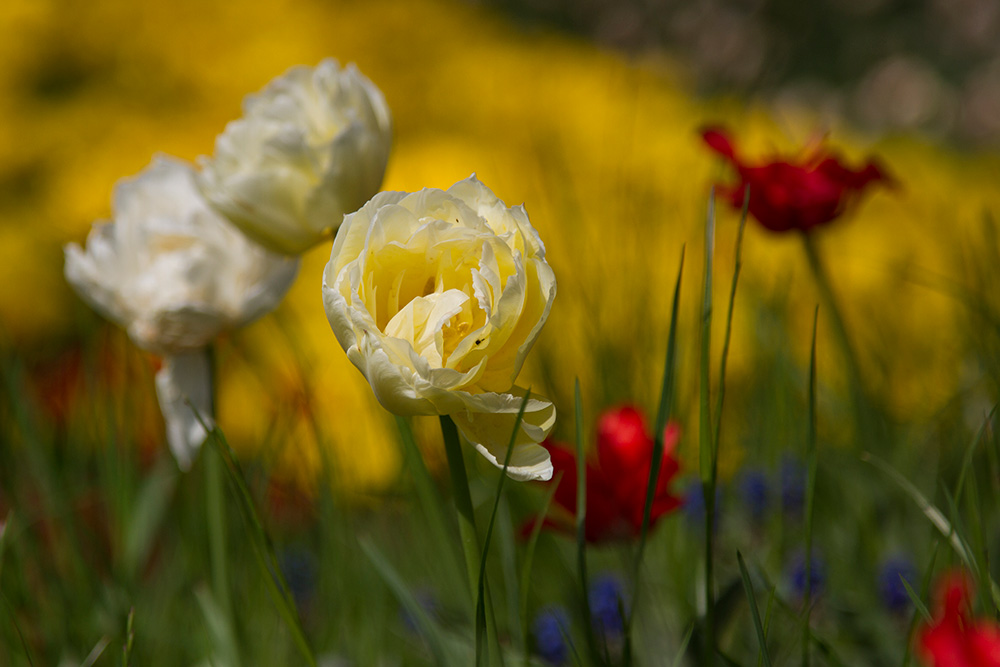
x=586 y=112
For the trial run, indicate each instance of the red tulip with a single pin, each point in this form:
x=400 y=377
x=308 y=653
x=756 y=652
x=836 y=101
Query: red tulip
x=617 y=480
x=786 y=193
x=955 y=640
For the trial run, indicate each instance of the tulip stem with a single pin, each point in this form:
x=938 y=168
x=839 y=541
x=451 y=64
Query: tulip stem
x=866 y=422
x=463 y=501
x=708 y=463
x=467 y=524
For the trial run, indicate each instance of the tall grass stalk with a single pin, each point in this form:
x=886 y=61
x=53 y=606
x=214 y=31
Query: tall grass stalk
x=810 y=494
x=868 y=426
x=707 y=462
x=581 y=523
x=662 y=418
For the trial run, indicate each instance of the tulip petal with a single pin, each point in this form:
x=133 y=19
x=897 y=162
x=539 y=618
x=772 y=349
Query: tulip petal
x=489 y=420
x=184 y=385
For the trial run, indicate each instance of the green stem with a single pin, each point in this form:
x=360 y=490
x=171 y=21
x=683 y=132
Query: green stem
x=467 y=528
x=706 y=442
x=463 y=501
x=866 y=422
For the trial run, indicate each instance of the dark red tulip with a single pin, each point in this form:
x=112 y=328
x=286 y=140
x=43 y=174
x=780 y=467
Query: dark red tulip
x=788 y=193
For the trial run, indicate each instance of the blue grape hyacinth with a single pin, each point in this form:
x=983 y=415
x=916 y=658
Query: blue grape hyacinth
x=607 y=604
x=550 y=629
x=890 y=584
x=755 y=492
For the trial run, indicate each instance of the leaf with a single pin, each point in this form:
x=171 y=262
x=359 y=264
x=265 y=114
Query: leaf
x=752 y=600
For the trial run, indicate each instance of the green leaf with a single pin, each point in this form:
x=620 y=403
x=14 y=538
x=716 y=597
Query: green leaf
x=752 y=600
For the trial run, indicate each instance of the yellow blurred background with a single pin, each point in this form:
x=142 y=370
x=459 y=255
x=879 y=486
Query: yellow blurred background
x=602 y=149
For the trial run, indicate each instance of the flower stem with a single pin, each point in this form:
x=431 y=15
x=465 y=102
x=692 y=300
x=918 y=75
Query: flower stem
x=867 y=424
x=463 y=501
x=467 y=527
x=708 y=465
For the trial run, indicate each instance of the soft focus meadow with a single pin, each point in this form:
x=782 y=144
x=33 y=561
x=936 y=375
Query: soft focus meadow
x=821 y=429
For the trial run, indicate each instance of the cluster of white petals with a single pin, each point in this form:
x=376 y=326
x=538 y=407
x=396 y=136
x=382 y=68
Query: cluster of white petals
x=310 y=147
x=175 y=274
x=437 y=297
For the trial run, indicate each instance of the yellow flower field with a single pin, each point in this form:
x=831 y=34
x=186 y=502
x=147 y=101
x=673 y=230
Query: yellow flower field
x=604 y=152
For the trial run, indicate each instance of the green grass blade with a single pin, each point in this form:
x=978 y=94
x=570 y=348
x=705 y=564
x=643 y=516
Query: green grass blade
x=481 y=584
x=428 y=628
x=17 y=629
x=767 y=622
x=529 y=557
x=752 y=600
x=933 y=514
x=5 y=529
x=682 y=648
x=263 y=549
x=662 y=417
x=918 y=604
x=225 y=651
x=707 y=462
x=810 y=493
x=925 y=586
x=738 y=265
x=129 y=638
x=960 y=534
x=581 y=520
x=150 y=509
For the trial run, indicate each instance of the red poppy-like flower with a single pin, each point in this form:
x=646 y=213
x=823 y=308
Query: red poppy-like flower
x=617 y=480
x=789 y=193
x=955 y=640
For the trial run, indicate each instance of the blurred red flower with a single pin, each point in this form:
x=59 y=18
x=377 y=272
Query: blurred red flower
x=788 y=193
x=617 y=480
x=954 y=640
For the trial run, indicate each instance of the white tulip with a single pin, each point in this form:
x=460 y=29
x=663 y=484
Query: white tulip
x=310 y=147
x=437 y=297
x=175 y=274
